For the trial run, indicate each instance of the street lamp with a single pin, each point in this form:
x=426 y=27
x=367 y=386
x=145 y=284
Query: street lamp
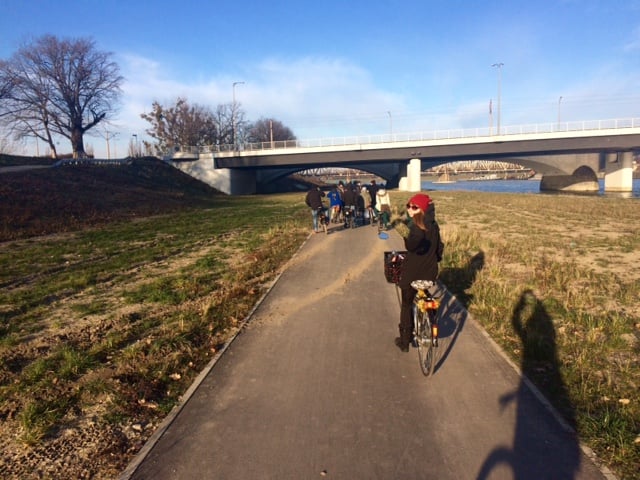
x=390 y=124
x=559 y=100
x=499 y=66
x=233 y=113
x=136 y=152
x=109 y=136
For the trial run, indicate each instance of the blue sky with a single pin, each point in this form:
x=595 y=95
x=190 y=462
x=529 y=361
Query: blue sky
x=341 y=68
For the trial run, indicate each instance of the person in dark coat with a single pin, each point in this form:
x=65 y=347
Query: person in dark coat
x=349 y=200
x=373 y=190
x=421 y=262
x=314 y=201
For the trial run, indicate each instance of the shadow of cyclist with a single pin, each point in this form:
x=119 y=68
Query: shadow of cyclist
x=459 y=280
x=453 y=313
x=543 y=446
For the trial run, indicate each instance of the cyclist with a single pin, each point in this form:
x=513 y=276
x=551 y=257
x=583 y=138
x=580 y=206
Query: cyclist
x=314 y=201
x=335 y=204
x=349 y=200
x=372 y=190
x=383 y=204
x=361 y=202
x=421 y=263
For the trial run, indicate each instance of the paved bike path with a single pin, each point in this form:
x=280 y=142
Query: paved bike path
x=314 y=387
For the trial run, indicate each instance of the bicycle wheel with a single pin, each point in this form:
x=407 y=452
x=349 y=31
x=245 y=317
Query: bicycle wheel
x=426 y=347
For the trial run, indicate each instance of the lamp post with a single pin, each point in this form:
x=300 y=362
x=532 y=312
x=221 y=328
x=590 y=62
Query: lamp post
x=233 y=114
x=559 y=100
x=109 y=136
x=499 y=66
x=390 y=124
x=135 y=145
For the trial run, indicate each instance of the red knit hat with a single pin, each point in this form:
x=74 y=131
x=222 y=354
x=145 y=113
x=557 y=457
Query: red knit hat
x=421 y=200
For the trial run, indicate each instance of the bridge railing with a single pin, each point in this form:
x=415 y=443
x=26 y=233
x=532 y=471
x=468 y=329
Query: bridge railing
x=449 y=134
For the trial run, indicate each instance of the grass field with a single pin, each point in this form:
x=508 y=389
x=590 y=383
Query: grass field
x=120 y=284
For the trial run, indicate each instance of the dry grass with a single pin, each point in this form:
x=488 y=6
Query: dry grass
x=107 y=319
x=555 y=280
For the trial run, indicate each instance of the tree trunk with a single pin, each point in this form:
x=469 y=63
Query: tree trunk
x=77 y=143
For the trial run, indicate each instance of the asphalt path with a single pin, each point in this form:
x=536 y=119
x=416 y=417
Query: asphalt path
x=314 y=387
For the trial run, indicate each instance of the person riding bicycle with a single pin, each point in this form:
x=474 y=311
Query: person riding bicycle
x=383 y=206
x=314 y=201
x=421 y=263
x=335 y=205
x=349 y=200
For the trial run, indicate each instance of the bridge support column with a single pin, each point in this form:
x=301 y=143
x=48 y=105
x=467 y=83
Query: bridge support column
x=410 y=180
x=226 y=180
x=618 y=174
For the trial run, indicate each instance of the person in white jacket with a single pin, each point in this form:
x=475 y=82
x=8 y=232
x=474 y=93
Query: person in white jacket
x=383 y=207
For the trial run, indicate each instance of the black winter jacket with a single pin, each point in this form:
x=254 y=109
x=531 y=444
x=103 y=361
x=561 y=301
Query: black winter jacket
x=314 y=198
x=421 y=262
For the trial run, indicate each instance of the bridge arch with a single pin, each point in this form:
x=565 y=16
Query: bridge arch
x=390 y=173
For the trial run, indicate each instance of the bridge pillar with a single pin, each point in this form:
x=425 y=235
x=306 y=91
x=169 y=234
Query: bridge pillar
x=226 y=180
x=410 y=180
x=618 y=174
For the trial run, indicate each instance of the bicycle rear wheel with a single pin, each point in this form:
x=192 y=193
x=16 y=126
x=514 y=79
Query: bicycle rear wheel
x=426 y=344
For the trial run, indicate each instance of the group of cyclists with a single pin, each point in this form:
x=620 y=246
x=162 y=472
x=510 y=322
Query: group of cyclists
x=352 y=202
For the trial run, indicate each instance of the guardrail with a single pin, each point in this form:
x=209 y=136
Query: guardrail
x=92 y=162
x=449 y=134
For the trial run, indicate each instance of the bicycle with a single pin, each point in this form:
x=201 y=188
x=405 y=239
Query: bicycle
x=323 y=221
x=349 y=217
x=383 y=220
x=372 y=216
x=425 y=324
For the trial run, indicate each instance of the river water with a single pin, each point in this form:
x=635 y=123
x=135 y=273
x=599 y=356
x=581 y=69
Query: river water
x=515 y=186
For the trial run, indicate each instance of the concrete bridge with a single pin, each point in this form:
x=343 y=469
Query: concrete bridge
x=570 y=156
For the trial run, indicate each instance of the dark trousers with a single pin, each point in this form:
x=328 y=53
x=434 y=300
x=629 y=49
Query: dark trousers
x=406 y=318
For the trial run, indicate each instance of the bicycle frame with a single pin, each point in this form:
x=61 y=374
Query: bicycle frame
x=425 y=324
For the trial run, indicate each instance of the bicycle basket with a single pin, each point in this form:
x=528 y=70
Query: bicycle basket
x=393 y=265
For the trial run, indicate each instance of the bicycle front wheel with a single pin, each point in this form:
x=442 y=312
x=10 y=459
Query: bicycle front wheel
x=426 y=344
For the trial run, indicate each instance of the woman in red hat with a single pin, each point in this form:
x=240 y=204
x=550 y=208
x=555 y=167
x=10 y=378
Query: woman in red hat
x=421 y=263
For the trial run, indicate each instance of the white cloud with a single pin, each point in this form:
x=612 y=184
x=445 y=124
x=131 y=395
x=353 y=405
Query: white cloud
x=634 y=43
x=314 y=96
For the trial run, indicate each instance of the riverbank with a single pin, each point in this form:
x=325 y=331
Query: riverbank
x=109 y=327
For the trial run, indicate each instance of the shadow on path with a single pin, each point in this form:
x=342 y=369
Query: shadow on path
x=532 y=455
x=459 y=280
x=453 y=311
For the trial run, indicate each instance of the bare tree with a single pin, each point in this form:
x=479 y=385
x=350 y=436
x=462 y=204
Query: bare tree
x=59 y=87
x=269 y=130
x=6 y=83
x=183 y=125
